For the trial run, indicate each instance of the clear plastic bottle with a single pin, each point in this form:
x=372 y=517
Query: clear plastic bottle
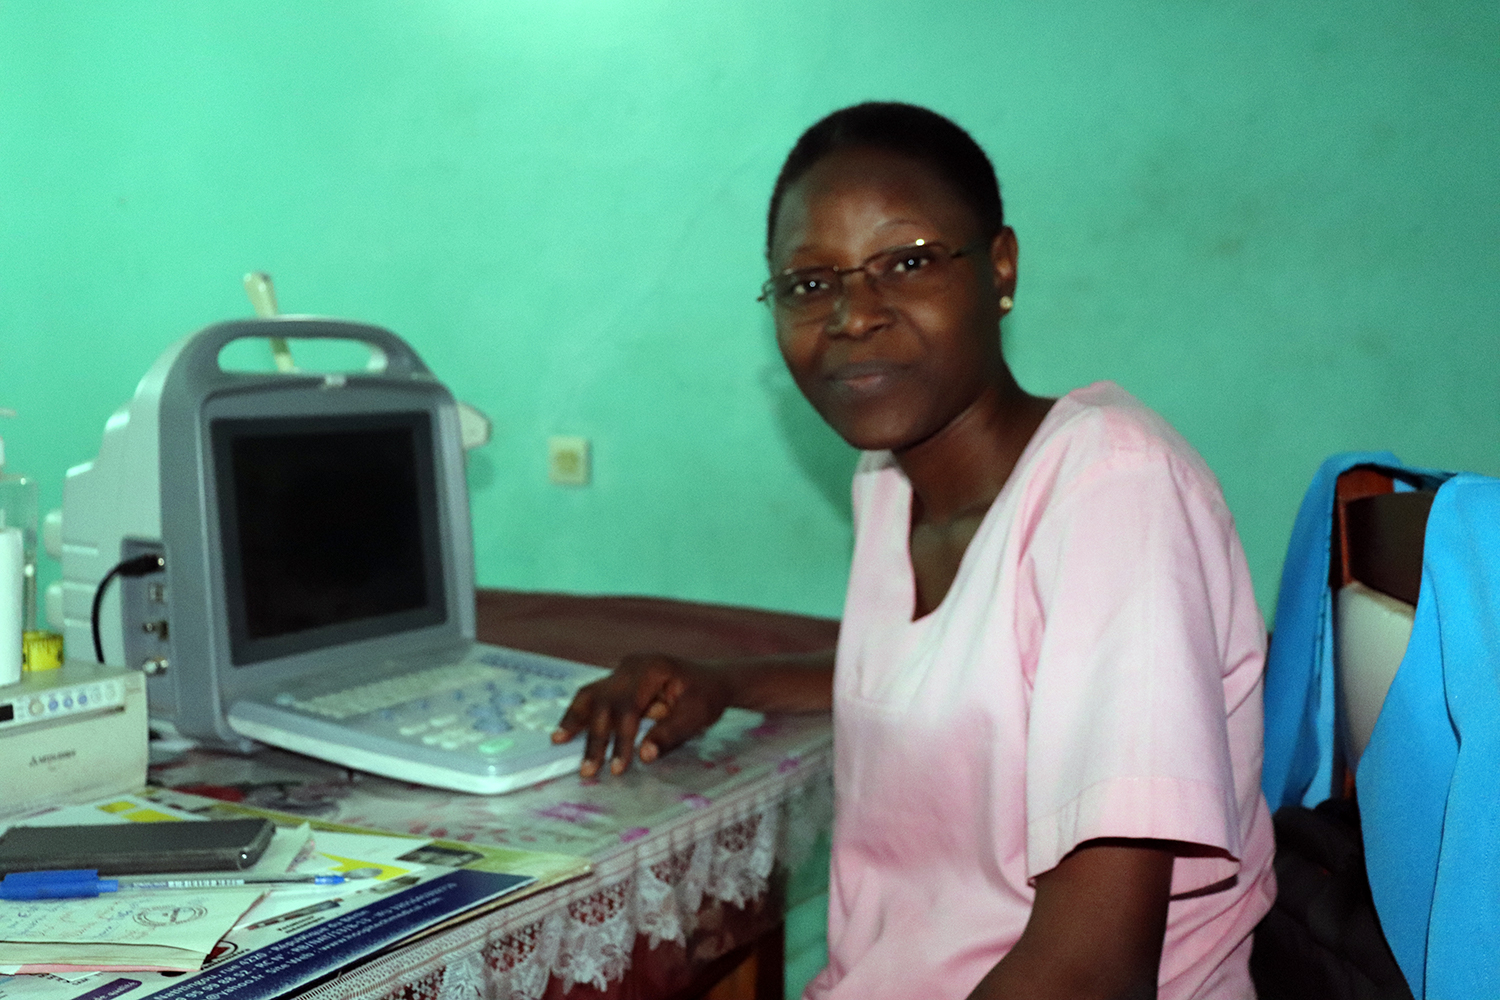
x=18 y=509
x=17 y=567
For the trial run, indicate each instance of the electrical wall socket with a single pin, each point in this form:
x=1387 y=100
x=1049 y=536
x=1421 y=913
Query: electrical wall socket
x=568 y=461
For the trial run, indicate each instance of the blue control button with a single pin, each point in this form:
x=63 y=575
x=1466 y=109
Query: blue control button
x=548 y=691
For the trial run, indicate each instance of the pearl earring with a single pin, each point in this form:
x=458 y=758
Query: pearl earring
x=1007 y=303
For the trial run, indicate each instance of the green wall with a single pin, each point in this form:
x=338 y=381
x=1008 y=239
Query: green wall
x=1276 y=222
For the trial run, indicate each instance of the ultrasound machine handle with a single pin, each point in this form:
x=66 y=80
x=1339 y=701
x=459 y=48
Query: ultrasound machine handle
x=199 y=359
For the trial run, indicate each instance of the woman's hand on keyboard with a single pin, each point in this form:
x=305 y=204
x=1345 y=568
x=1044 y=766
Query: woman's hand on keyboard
x=682 y=697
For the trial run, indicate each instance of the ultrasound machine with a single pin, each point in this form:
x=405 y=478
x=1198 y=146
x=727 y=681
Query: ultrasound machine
x=287 y=557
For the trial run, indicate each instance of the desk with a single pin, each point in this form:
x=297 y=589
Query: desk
x=692 y=855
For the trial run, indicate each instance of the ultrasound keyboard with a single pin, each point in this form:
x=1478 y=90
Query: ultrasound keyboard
x=480 y=725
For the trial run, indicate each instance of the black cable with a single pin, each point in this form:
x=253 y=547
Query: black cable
x=137 y=566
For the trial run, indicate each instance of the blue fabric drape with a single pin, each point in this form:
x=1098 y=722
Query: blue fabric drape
x=1299 y=700
x=1429 y=782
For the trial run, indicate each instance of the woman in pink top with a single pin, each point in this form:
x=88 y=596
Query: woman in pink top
x=1047 y=688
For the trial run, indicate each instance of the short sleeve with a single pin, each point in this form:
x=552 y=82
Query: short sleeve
x=1129 y=572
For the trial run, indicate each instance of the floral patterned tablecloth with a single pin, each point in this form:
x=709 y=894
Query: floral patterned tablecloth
x=683 y=854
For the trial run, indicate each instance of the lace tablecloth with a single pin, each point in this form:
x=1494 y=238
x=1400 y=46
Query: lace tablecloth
x=683 y=851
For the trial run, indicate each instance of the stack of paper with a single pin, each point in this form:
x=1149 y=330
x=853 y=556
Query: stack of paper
x=172 y=930
x=259 y=945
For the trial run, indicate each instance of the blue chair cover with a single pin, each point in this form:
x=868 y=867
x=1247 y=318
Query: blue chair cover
x=1429 y=781
x=1299 y=699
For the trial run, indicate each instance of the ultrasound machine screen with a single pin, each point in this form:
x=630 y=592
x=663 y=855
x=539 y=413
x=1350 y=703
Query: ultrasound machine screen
x=330 y=530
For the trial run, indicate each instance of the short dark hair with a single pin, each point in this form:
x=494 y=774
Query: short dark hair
x=906 y=130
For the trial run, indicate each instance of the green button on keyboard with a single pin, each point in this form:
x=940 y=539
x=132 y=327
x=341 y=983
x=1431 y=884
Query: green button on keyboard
x=498 y=745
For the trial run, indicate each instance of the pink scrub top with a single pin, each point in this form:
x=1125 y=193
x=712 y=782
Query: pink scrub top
x=1094 y=671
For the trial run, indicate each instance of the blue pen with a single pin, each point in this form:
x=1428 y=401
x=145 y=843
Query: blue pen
x=81 y=883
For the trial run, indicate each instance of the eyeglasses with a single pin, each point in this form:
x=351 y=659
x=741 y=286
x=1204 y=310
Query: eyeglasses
x=917 y=269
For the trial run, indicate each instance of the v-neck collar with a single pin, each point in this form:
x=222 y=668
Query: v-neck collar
x=1043 y=431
